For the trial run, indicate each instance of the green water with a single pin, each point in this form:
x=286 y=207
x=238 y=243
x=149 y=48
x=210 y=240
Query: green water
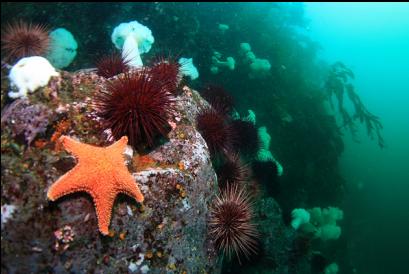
x=322 y=165
x=373 y=39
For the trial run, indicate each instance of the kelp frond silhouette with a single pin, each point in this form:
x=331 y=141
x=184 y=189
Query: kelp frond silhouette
x=338 y=84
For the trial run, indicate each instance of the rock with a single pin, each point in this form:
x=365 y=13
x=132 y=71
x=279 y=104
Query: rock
x=167 y=234
x=6 y=213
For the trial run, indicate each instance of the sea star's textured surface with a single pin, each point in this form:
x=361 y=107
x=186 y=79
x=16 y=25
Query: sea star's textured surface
x=101 y=172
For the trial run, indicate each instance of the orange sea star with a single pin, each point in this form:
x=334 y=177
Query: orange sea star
x=101 y=172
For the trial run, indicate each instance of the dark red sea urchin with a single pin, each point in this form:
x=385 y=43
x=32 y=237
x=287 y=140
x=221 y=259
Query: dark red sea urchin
x=248 y=142
x=215 y=130
x=136 y=106
x=21 y=39
x=218 y=98
x=230 y=223
x=111 y=65
x=167 y=71
x=232 y=170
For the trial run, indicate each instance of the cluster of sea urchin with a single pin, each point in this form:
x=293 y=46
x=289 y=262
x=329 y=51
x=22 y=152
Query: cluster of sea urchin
x=231 y=223
x=135 y=105
x=21 y=39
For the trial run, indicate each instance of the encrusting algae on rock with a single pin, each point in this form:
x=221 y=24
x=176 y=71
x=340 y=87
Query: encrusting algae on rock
x=172 y=174
x=29 y=173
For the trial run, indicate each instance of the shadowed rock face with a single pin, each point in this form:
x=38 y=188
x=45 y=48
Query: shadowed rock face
x=167 y=233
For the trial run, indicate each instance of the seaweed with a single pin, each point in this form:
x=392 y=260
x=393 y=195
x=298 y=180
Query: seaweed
x=338 y=84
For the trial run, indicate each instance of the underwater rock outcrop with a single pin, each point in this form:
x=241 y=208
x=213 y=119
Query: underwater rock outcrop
x=167 y=233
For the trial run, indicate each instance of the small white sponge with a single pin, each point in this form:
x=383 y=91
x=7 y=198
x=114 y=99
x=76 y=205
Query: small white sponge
x=29 y=74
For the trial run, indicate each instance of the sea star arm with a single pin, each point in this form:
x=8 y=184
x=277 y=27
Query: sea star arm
x=104 y=210
x=70 y=182
x=130 y=187
x=79 y=150
x=120 y=144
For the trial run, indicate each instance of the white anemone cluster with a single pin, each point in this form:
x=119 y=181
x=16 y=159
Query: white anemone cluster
x=259 y=68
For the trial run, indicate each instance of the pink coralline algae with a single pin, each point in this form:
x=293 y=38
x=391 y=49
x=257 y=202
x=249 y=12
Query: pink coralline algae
x=25 y=118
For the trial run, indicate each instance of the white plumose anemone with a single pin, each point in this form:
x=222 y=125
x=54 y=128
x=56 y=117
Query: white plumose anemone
x=133 y=39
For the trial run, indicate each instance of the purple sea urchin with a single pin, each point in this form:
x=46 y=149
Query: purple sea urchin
x=136 y=106
x=232 y=170
x=230 y=223
x=167 y=71
x=111 y=65
x=215 y=130
x=21 y=39
x=218 y=98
